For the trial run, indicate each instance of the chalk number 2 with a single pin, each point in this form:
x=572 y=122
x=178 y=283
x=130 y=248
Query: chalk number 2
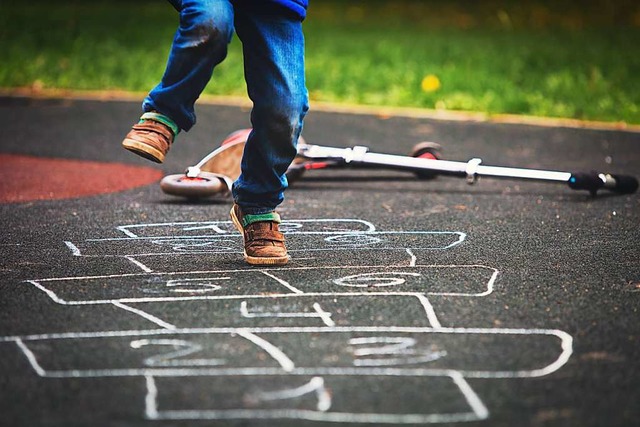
x=177 y=354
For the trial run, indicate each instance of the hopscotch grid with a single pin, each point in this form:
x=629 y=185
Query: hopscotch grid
x=458 y=377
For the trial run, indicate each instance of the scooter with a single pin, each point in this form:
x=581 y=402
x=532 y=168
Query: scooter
x=213 y=176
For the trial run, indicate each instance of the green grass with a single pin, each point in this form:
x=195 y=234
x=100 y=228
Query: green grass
x=547 y=58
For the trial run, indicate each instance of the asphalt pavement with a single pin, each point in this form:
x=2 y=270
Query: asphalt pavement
x=406 y=302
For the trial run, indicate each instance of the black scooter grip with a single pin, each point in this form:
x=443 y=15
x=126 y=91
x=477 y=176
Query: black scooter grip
x=594 y=181
x=625 y=184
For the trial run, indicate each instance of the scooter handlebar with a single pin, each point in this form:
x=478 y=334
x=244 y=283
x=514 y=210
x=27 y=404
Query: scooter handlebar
x=594 y=181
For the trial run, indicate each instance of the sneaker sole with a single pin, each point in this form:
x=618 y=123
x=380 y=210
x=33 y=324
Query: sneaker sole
x=253 y=260
x=143 y=150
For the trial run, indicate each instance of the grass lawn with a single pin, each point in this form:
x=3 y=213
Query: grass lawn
x=547 y=58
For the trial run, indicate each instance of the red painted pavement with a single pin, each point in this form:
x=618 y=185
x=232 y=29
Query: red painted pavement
x=28 y=178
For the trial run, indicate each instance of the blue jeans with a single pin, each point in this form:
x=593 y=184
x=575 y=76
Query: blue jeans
x=273 y=50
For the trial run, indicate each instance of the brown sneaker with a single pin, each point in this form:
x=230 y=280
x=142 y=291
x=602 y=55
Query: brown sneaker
x=263 y=242
x=152 y=137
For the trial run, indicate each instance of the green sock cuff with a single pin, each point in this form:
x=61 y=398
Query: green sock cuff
x=269 y=216
x=161 y=118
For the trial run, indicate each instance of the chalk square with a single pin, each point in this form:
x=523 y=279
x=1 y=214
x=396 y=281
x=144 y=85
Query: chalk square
x=342 y=399
x=454 y=280
x=212 y=228
x=293 y=310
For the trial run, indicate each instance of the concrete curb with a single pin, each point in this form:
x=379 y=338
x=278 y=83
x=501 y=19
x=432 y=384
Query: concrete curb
x=380 y=111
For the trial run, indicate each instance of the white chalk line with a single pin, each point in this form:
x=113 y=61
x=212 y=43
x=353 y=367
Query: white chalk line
x=145 y=315
x=429 y=311
x=282 y=282
x=406 y=360
x=74 y=249
x=488 y=291
x=325 y=316
x=273 y=351
x=48 y=292
x=151 y=399
x=413 y=258
x=473 y=399
x=213 y=227
x=139 y=264
x=31 y=358
x=286 y=363
x=308 y=415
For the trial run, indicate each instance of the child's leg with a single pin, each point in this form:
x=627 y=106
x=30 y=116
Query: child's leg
x=273 y=48
x=200 y=43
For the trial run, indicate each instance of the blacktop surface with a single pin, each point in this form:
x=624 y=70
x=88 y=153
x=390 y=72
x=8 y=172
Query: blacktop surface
x=406 y=302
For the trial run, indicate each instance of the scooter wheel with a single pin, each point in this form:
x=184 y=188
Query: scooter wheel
x=204 y=185
x=426 y=150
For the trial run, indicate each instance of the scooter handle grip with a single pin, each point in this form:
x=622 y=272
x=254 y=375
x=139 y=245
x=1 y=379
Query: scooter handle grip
x=594 y=181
